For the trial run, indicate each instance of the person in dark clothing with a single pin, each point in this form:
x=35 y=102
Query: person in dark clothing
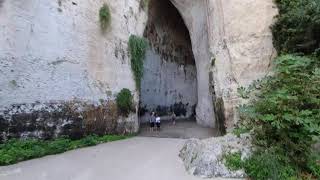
x=152 y=121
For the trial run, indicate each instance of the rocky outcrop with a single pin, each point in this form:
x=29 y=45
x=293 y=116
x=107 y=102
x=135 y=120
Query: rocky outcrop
x=205 y=158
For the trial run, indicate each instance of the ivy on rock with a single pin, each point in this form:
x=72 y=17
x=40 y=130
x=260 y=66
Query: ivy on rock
x=137 y=48
x=104 y=16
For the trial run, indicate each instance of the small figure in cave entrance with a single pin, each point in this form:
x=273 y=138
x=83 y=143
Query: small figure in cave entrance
x=152 y=121
x=173 y=118
x=158 y=122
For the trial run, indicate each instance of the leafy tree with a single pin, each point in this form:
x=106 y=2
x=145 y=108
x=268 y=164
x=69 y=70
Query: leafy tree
x=298 y=26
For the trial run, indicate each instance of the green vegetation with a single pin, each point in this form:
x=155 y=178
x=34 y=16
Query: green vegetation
x=262 y=165
x=284 y=115
x=284 y=109
x=313 y=164
x=15 y=150
x=137 y=48
x=104 y=16
x=298 y=26
x=125 y=101
x=270 y=164
x=240 y=130
x=233 y=161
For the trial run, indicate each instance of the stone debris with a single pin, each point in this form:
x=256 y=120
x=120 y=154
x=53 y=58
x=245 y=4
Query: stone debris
x=205 y=158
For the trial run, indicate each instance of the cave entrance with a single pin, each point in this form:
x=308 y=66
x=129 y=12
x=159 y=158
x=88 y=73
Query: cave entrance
x=169 y=83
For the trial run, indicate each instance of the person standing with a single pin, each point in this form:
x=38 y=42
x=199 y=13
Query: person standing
x=158 y=122
x=173 y=118
x=152 y=121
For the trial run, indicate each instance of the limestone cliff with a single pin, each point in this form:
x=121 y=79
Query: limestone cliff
x=232 y=45
x=57 y=66
x=53 y=55
x=170 y=75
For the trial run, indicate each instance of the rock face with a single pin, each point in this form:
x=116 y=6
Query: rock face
x=205 y=158
x=167 y=87
x=74 y=119
x=53 y=52
x=232 y=46
x=170 y=76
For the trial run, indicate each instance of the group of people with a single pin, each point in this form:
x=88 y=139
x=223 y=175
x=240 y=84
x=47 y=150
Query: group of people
x=155 y=121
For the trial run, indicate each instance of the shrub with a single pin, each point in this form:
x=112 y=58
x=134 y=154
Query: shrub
x=240 y=130
x=285 y=113
x=137 y=48
x=287 y=109
x=263 y=164
x=233 y=161
x=297 y=28
x=125 y=101
x=104 y=16
x=269 y=165
x=313 y=164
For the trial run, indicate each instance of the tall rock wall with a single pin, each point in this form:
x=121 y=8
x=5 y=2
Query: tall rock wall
x=232 y=45
x=59 y=73
x=169 y=82
x=167 y=87
x=240 y=42
x=57 y=65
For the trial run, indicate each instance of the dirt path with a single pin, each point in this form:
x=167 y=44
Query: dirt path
x=138 y=158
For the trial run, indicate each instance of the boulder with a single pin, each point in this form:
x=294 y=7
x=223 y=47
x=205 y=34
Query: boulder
x=205 y=158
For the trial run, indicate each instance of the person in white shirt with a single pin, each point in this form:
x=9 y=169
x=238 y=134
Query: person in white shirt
x=158 y=122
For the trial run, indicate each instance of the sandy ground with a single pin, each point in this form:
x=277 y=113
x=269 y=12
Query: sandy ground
x=138 y=158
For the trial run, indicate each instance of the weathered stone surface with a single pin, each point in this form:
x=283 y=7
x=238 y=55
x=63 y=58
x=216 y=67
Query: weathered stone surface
x=74 y=119
x=205 y=158
x=240 y=42
x=169 y=81
x=55 y=51
x=232 y=40
x=166 y=87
